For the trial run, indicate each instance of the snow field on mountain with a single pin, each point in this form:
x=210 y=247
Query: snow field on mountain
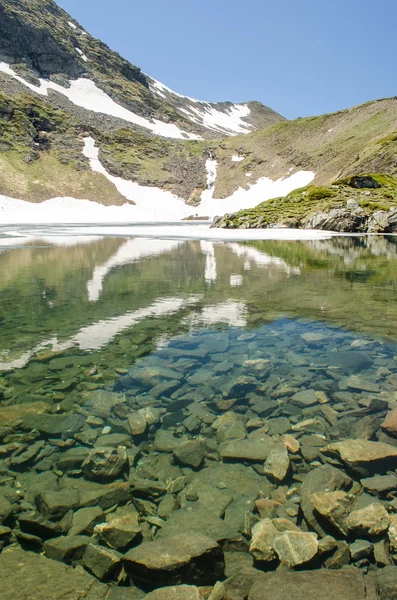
x=85 y=93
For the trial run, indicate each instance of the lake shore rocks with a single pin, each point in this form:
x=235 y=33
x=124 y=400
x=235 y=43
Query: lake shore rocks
x=223 y=460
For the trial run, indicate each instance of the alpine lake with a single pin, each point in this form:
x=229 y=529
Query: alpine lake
x=194 y=419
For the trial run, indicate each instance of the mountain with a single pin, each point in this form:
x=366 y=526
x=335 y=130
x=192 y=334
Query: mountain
x=79 y=122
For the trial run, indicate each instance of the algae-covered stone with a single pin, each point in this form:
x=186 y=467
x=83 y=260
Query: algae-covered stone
x=105 y=463
x=101 y=562
x=66 y=549
x=191 y=453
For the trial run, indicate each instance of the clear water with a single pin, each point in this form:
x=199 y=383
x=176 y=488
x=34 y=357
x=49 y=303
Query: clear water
x=195 y=329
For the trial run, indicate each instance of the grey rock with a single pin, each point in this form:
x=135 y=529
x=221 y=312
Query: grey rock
x=380 y=483
x=189 y=558
x=305 y=398
x=85 y=519
x=55 y=505
x=251 y=449
x=102 y=562
x=64 y=425
x=364 y=457
x=121 y=531
x=66 y=549
x=105 y=463
x=360 y=549
x=191 y=453
x=277 y=463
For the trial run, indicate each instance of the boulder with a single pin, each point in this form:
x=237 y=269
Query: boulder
x=55 y=505
x=373 y=520
x=364 y=457
x=250 y=449
x=121 y=531
x=295 y=548
x=334 y=507
x=85 y=519
x=305 y=398
x=66 y=549
x=189 y=558
x=321 y=479
x=191 y=453
x=64 y=425
x=102 y=562
x=106 y=463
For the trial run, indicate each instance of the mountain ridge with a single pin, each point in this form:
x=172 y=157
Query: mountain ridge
x=60 y=87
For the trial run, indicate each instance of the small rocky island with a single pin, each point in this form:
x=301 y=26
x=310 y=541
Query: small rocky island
x=357 y=204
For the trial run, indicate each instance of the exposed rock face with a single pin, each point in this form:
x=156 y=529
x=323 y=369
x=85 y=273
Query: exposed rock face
x=184 y=558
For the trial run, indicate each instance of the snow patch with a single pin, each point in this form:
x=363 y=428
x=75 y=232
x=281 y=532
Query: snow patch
x=208 y=194
x=84 y=92
x=236 y=280
x=158 y=88
x=130 y=252
x=229 y=121
x=237 y=158
x=72 y=25
x=83 y=56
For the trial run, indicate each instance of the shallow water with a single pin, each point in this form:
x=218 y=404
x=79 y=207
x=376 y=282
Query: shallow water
x=192 y=329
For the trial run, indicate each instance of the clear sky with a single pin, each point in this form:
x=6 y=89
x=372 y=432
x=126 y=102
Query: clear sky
x=300 y=57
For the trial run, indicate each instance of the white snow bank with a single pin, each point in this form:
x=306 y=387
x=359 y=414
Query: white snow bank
x=237 y=158
x=72 y=25
x=208 y=194
x=130 y=252
x=85 y=93
x=229 y=121
x=83 y=56
x=159 y=88
x=152 y=203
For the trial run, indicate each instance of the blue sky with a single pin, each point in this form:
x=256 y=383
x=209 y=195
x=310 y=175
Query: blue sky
x=301 y=57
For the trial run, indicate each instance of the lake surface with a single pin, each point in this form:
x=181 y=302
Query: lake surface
x=138 y=346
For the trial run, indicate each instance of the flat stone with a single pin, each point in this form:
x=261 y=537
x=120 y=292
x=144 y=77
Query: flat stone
x=40 y=578
x=55 y=505
x=349 y=361
x=387 y=583
x=166 y=441
x=183 y=558
x=85 y=519
x=178 y=592
x=250 y=449
x=380 y=483
x=102 y=562
x=295 y=548
x=33 y=523
x=262 y=538
x=197 y=518
x=100 y=403
x=19 y=411
x=355 y=382
x=364 y=457
x=66 y=549
x=335 y=585
x=277 y=463
x=305 y=398
x=191 y=453
x=372 y=520
x=64 y=425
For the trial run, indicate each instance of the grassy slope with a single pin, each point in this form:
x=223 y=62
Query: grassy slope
x=300 y=204
x=360 y=139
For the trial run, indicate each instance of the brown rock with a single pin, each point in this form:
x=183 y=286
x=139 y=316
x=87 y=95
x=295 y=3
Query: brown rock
x=371 y=520
x=390 y=423
x=364 y=457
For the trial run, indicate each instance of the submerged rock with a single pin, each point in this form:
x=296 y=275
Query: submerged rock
x=295 y=548
x=364 y=457
x=184 y=558
x=105 y=463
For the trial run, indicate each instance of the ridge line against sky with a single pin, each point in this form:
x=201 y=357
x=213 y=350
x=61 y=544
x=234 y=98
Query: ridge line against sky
x=300 y=59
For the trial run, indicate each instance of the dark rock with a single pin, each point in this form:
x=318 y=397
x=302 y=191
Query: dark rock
x=34 y=523
x=360 y=549
x=363 y=181
x=102 y=562
x=66 y=549
x=6 y=509
x=387 y=583
x=64 y=425
x=121 y=531
x=191 y=453
x=380 y=483
x=106 y=463
x=189 y=558
x=56 y=504
x=85 y=519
